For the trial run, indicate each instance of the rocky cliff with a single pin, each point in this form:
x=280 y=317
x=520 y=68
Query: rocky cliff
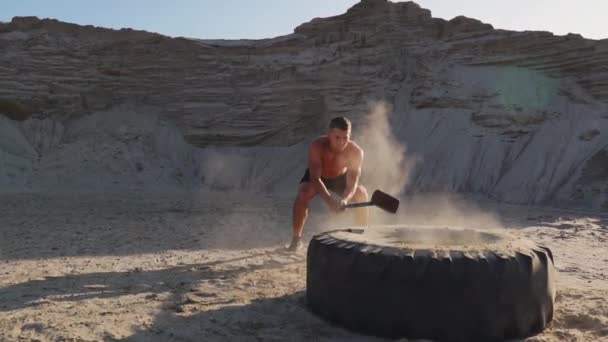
x=517 y=116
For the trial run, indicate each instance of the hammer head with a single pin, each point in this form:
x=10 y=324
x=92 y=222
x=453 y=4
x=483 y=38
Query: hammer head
x=385 y=201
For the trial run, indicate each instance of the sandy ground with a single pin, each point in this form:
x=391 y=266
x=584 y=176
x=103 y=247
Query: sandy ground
x=140 y=267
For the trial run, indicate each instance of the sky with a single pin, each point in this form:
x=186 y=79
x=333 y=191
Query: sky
x=257 y=19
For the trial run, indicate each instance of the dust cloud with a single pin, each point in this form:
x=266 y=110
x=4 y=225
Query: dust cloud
x=238 y=220
x=224 y=169
x=389 y=166
x=257 y=218
x=386 y=165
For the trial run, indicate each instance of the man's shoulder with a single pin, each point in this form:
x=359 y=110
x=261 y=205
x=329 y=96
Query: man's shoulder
x=355 y=148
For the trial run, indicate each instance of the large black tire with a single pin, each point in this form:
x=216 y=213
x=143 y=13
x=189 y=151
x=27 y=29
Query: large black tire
x=442 y=284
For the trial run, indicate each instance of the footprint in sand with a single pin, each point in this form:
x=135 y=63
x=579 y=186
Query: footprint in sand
x=582 y=322
x=37 y=327
x=569 y=269
x=602 y=332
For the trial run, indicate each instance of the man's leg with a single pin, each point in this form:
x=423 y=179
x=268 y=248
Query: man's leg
x=361 y=214
x=306 y=192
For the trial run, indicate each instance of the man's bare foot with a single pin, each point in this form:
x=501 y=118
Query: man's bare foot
x=296 y=244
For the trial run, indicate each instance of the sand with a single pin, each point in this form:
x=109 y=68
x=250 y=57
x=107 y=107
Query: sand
x=207 y=267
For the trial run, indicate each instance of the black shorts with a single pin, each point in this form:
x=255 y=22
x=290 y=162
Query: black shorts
x=336 y=185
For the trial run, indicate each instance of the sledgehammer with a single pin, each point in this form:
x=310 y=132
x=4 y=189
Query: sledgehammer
x=381 y=200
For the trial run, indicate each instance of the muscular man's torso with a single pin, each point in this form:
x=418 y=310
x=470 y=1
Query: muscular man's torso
x=334 y=164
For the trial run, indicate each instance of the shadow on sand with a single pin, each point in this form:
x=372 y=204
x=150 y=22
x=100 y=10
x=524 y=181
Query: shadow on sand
x=284 y=318
x=175 y=280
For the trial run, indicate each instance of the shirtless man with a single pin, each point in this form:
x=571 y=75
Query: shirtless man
x=334 y=164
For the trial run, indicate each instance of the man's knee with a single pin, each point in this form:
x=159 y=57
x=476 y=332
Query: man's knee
x=305 y=193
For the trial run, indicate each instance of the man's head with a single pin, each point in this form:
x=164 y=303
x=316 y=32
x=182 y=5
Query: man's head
x=339 y=133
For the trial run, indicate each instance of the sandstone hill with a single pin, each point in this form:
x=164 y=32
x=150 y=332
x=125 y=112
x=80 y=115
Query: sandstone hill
x=520 y=117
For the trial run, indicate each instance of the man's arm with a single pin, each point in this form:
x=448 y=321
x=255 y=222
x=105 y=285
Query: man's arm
x=352 y=175
x=315 y=169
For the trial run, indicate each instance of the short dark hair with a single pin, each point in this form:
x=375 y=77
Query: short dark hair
x=340 y=122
